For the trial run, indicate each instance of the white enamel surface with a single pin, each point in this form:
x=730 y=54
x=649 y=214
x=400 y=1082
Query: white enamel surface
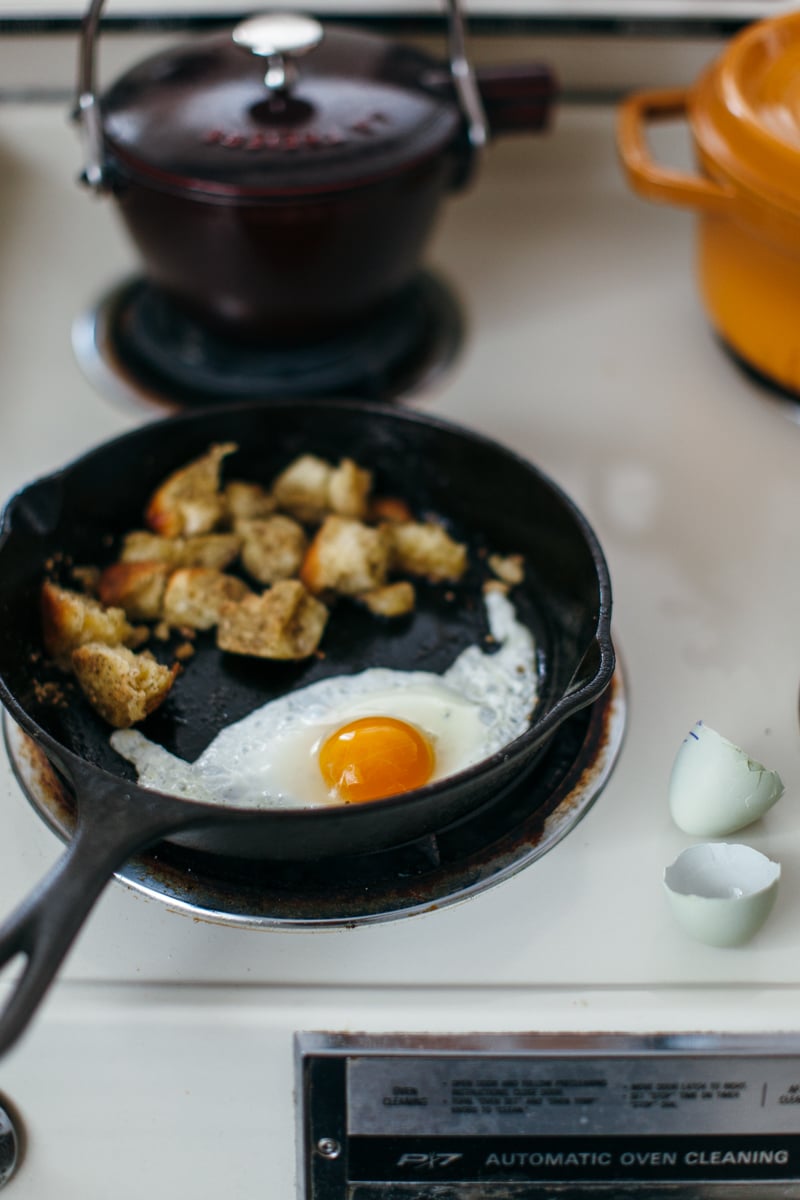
x=589 y=353
x=721 y=894
x=715 y=788
x=618 y=390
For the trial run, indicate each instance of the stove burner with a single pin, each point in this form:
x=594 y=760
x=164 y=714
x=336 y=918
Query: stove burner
x=135 y=345
x=504 y=836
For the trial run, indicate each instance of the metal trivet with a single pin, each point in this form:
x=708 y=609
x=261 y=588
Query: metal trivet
x=135 y=346
x=506 y=835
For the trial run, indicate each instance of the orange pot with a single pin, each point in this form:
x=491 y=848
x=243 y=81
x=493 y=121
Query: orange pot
x=744 y=116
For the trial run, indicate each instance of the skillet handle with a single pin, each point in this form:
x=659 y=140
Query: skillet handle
x=112 y=826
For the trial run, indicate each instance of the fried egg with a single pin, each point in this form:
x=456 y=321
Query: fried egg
x=354 y=738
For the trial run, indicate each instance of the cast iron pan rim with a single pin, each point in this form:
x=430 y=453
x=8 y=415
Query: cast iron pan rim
x=568 y=704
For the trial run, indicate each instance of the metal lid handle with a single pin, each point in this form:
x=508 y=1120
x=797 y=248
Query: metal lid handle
x=279 y=38
x=466 y=85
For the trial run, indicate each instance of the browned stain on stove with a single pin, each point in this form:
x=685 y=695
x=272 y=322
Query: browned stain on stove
x=506 y=835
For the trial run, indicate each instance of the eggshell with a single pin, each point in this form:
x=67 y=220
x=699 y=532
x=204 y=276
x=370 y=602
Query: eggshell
x=721 y=894
x=715 y=788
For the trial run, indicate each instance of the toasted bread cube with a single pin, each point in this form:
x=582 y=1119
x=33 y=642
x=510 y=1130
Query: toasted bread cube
x=346 y=557
x=389 y=508
x=349 y=487
x=273 y=548
x=427 y=550
x=244 y=500
x=302 y=488
x=121 y=686
x=284 y=622
x=69 y=619
x=392 y=600
x=509 y=568
x=216 y=550
x=189 y=500
x=137 y=587
x=87 y=578
x=194 y=596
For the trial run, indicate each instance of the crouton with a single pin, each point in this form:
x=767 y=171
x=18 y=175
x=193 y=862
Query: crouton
x=69 y=619
x=284 y=622
x=273 y=548
x=136 y=587
x=349 y=487
x=427 y=550
x=389 y=508
x=189 y=500
x=392 y=600
x=495 y=585
x=194 y=596
x=121 y=686
x=216 y=550
x=302 y=489
x=510 y=569
x=243 y=500
x=346 y=557
x=310 y=488
x=87 y=578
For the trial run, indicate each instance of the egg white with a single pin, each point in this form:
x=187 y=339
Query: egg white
x=269 y=758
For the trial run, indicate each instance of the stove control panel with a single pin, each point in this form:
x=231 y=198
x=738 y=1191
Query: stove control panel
x=526 y=1116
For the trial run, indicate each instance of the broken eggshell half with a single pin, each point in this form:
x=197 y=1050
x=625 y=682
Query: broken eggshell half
x=721 y=893
x=715 y=788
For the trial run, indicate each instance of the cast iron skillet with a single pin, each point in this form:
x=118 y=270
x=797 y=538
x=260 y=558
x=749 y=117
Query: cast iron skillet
x=488 y=496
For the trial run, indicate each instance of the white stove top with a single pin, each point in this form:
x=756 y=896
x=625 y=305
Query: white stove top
x=588 y=351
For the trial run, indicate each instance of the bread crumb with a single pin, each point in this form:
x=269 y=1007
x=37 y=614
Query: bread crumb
x=302 y=488
x=392 y=600
x=123 y=687
x=273 y=548
x=425 y=549
x=194 y=596
x=243 y=500
x=189 y=500
x=136 y=587
x=510 y=568
x=217 y=550
x=347 y=557
x=69 y=619
x=285 y=622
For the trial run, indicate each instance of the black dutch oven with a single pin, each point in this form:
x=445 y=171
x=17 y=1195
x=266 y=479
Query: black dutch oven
x=281 y=181
x=489 y=497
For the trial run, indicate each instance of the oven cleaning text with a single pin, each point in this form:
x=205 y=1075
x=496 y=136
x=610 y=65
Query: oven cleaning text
x=638 y=1158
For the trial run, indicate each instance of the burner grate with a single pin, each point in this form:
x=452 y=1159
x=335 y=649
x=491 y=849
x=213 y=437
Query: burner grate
x=137 y=346
x=507 y=834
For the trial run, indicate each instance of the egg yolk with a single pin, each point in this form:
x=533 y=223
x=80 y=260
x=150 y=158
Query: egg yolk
x=375 y=756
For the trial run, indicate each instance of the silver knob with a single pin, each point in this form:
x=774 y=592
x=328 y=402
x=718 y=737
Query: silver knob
x=9 y=1147
x=279 y=38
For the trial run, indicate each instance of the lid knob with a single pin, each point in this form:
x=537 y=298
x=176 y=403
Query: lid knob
x=278 y=37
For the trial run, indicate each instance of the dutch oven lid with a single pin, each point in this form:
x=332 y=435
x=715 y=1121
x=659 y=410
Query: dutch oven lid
x=282 y=105
x=746 y=110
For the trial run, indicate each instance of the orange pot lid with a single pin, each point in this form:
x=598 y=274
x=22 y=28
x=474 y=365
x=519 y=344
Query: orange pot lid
x=745 y=110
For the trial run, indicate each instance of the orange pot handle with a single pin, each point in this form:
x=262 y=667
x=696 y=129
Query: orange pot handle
x=646 y=176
